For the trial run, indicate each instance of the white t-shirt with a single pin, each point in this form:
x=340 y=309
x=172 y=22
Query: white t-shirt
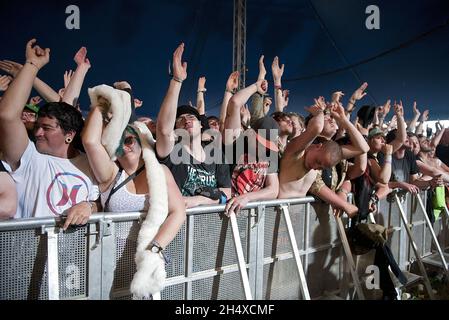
x=48 y=186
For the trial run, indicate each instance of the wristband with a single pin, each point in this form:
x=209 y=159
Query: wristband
x=202 y=91
x=230 y=91
x=177 y=79
x=32 y=63
x=223 y=198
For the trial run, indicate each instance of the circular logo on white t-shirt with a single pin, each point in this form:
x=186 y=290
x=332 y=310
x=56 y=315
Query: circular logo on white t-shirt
x=66 y=190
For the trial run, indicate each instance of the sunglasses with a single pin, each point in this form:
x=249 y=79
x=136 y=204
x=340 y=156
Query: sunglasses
x=129 y=140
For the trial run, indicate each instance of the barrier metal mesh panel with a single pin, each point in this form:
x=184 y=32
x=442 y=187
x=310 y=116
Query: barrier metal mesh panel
x=226 y=286
x=126 y=241
x=213 y=245
x=73 y=260
x=23 y=265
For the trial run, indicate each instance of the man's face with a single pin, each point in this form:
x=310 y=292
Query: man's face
x=376 y=143
x=330 y=126
x=213 y=124
x=414 y=145
x=190 y=123
x=425 y=145
x=317 y=159
x=285 y=125
x=50 y=137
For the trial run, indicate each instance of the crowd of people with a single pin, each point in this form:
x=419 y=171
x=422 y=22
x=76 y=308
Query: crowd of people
x=57 y=164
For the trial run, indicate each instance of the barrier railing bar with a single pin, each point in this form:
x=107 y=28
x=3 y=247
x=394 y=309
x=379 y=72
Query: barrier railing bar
x=52 y=264
x=291 y=235
x=240 y=256
x=188 y=258
x=415 y=249
x=434 y=237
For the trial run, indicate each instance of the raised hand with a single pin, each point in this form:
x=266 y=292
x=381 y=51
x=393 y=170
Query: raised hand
x=317 y=108
x=276 y=70
x=233 y=82
x=416 y=112
x=386 y=107
x=67 y=76
x=179 y=67
x=35 y=100
x=138 y=103
x=201 y=83
x=10 y=67
x=425 y=115
x=35 y=55
x=359 y=93
x=336 y=96
x=338 y=113
x=81 y=58
x=387 y=149
x=4 y=82
x=398 y=109
x=262 y=86
x=262 y=70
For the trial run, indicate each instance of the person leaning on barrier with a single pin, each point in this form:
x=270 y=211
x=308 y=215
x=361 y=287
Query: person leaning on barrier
x=302 y=159
x=327 y=185
x=53 y=178
x=254 y=174
x=404 y=168
x=201 y=179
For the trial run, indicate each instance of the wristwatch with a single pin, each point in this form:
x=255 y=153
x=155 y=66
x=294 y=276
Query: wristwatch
x=155 y=247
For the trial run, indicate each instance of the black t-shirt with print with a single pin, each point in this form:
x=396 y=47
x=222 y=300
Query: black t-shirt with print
x=191 y=176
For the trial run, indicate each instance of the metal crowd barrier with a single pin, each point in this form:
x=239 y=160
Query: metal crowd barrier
x=39 y=261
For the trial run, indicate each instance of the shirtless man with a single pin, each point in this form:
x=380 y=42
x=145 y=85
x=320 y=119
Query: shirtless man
x=301 y=159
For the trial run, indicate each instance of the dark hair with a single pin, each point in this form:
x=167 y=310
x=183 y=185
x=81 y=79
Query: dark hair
x=69 y=119
x=366 y=115
x=212 y=118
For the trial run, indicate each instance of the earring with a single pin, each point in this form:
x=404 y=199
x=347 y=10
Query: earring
x=68 y=140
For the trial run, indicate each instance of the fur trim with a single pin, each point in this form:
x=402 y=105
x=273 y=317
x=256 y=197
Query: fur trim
x=150 y=275
x=121 y=112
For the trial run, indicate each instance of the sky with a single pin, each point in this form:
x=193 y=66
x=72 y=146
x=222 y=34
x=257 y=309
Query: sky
x=134 y=40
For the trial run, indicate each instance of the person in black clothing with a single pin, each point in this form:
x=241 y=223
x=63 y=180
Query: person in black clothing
x=201 y=178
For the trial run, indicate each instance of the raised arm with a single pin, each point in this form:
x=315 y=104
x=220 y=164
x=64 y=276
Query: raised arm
x=356 y=96
x=200 y=103
x=73 y=89
x=280 y=100
x=103 y=168
x=416 y=114
x=359 y=145
x=12 y=130
x=424 y=118
x=314 y=128
x=401 y=133
x=44 y=90
x=437 y=138
x=233 y=120
x=231 y=87
x=4 y=82
x=378 y=173
x=167 y=114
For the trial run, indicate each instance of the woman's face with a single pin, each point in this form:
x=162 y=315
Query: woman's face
x=376 y=143
x=131 y=148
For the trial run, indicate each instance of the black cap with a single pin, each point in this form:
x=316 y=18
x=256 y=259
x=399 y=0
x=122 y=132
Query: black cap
x=186 y=109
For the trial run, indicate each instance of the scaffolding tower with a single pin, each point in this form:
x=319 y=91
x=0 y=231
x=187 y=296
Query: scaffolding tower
x=239 y=40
